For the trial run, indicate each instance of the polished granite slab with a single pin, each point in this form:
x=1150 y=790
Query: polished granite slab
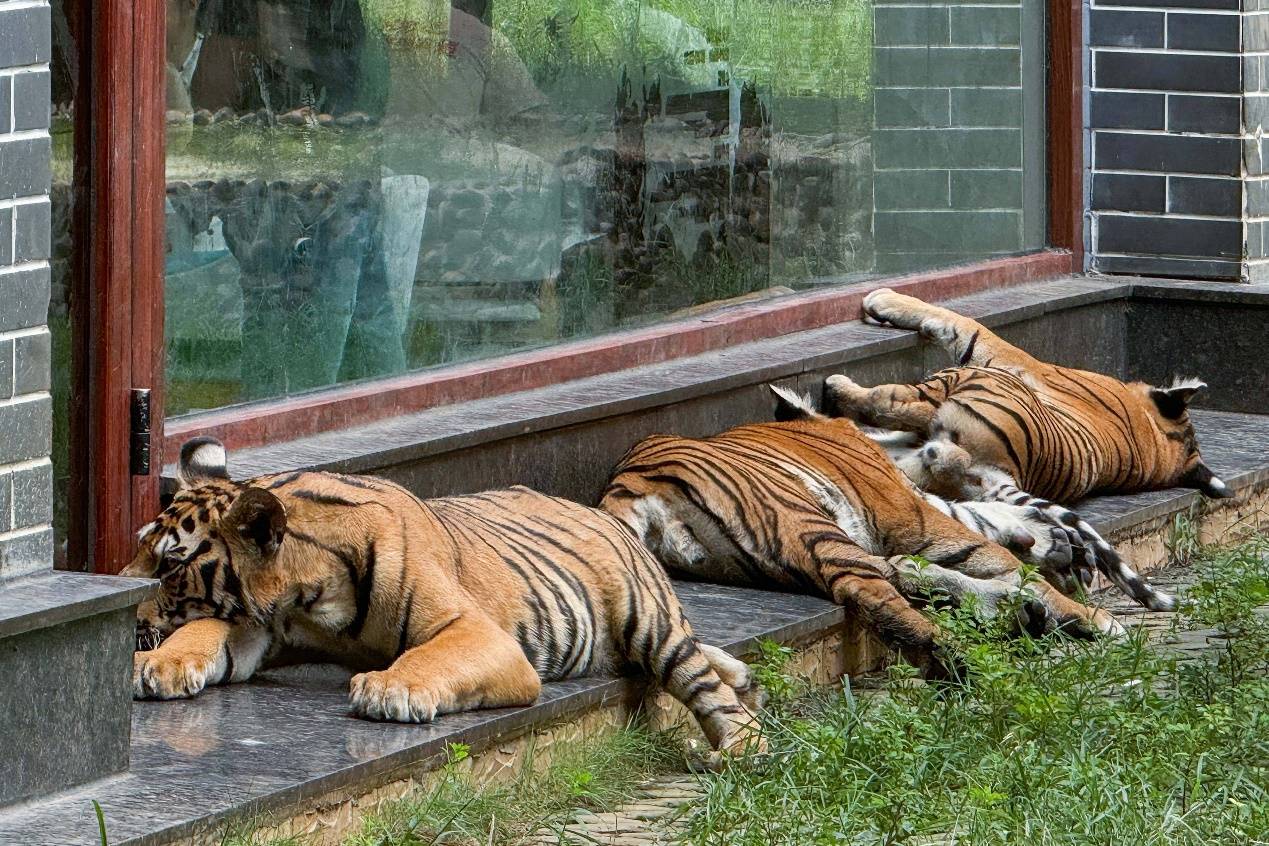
x=247 y=748
x=66 y=643
x=50 y=598
x=289 y=735
x=1235 y=446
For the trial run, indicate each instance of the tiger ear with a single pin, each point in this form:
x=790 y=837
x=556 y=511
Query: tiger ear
x=257 y=519
x=790 y=406
x=202 y=459
x=1172 y=402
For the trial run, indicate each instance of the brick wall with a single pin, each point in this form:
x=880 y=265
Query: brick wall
x=954 y=168
x=26 y=478
x=1177 y=185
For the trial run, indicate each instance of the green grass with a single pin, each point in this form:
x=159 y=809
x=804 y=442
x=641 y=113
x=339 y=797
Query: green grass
x=820 y=48
x=1102 y=743
x=597 y=774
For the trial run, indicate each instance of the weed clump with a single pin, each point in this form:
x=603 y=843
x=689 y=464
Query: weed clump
x=1051 y=742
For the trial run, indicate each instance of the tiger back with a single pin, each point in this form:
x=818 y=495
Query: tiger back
x=815 y=506
x=1061 y=433
x=444 y=605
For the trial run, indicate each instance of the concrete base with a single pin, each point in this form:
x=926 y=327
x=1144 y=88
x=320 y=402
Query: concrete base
x=66 y=644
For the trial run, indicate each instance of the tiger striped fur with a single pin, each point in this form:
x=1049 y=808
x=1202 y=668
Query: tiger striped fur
x=444 y=604
x=1059 y=433
x=1005 y=427
x=811 y=504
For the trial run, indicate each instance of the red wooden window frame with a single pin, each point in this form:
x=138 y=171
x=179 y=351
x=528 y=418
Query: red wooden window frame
x=126 y=266
x=117 y=274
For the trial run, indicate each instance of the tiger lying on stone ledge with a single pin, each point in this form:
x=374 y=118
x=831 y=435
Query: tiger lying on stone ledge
x=1002 y=426
x=810 y=504
x=445 y=604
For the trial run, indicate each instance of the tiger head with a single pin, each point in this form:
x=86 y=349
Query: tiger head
x=1178 y=461
x=210 y=549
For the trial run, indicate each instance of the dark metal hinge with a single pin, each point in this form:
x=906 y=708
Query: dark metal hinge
x=140 y=447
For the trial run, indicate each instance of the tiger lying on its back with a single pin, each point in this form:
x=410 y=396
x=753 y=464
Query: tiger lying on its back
x=813 y=505
x=1005 y=426
x=450 y=604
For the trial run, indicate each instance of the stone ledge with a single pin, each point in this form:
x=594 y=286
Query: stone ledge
x=50 y=598
x=284 y=750
x=411 y=437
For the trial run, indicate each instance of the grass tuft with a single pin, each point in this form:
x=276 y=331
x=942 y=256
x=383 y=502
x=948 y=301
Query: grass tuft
x=1051 y=743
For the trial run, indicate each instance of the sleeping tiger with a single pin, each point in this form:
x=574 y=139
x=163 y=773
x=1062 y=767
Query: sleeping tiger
x=1002 y=426
x=444 y=604
x=811 y=504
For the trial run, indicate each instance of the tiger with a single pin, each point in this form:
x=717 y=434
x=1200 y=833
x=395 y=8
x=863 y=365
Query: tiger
x=809 y=503
x=1004 y=426
x=439 y=605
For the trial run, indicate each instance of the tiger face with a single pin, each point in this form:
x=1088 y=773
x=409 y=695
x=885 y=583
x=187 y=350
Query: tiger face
x=210 y=549
x=1178 y=460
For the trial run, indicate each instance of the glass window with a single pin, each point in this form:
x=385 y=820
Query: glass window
x=360 y=188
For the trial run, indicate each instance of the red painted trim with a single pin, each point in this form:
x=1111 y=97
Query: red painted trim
x=148 y=194
x=110 y=245
x=122 y=314
x=1066 y=129
x=338 y=408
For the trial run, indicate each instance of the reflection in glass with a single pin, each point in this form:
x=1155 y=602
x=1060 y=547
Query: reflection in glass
x=64 y=78
x=359 y=189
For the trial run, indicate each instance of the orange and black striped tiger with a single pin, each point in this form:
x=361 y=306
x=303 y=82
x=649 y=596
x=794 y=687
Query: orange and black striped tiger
x=813 y=505
x=1060 y=433
x=443 y=604
x=1004 y=426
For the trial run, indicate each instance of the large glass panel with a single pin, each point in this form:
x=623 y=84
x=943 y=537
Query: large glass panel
x=360 y=188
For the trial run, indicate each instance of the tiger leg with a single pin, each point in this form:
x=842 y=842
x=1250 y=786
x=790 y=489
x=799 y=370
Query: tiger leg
x=470 y=663
x=664 y=648
x=923 y=581
x=736 y=674
x=993 y=485
x=967 y=341
x=909 y=408
x=994 y=565
x=199 y=653
x=868 y=582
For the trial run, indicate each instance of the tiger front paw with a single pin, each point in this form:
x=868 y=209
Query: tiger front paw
x=165 y=675
x=385 y=695
x=881 y=306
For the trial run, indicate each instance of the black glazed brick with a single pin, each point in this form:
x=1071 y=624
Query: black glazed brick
x=1199 y=195
x=1203 y=114
x=1127 y=110
x=1166 y=153
x=1119 y=28
x=1196 y=31
x=1128 y=192
x=1163 y=266
x=1169 y=236
x=1167 y=71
